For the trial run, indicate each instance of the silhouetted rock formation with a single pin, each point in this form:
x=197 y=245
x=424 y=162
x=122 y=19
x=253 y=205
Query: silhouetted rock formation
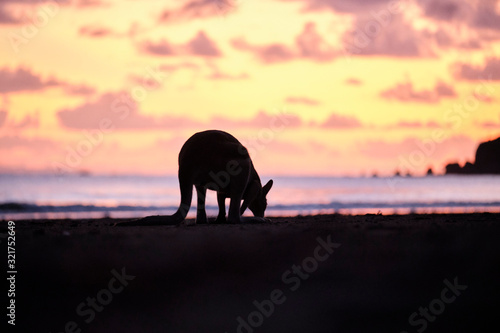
x=487 y=161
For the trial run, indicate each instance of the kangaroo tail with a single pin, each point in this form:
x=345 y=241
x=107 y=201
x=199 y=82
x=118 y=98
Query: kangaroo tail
x=177 y=218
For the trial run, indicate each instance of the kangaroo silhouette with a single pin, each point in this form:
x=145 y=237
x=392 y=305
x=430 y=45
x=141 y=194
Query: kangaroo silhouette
x=216 y=160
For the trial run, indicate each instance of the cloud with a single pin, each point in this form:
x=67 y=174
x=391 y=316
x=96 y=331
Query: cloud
x=27 y=9
x=446 y=10
x=472 y=21
x=36 y=144
x=270 y=53
x=342 y=6
x=341 y=122
x=80 y=89
x=6 y=17
x=22 y=79
x=395 y=38
x=200 y=45
x=302 y=100
x=3 y=116
x=354 y=82
x=483 y=97
x=404 y=92
x=98 y=31
x=386 y=27
x=487 y=16
x=312 y=45
x=160 y=48
x=95 y=31
x=309 y=44
x=414 y=125
x=490 y=70
x=225 y=76
x=197 y=9
x=117 y=110
x=29 y=121
x=489 y=125
x=219 y=75
x=90 y=3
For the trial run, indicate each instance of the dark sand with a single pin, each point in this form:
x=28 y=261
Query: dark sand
x=202 y=278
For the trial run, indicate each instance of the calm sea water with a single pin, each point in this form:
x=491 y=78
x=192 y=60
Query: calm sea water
x=42 y=196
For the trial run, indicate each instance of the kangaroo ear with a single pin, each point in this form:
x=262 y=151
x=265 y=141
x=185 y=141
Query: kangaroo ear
x=267 y=187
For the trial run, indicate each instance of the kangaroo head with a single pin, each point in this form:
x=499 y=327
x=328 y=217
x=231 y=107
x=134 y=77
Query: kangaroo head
x=259 y=204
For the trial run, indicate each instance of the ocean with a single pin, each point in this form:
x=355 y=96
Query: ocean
x=92 y=196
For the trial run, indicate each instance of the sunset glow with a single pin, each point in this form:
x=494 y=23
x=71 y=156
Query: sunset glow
x=310 y=87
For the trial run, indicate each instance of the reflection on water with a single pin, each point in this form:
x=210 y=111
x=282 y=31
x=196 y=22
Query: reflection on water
x=37 y=196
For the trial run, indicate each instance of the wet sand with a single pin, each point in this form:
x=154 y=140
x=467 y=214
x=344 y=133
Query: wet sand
x=328 y=273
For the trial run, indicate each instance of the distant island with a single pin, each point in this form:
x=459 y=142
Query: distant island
x=487 y=161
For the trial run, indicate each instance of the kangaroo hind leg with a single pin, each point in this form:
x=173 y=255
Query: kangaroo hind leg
x=201 y=214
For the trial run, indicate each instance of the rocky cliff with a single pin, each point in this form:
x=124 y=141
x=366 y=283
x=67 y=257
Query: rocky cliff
x=487 y=160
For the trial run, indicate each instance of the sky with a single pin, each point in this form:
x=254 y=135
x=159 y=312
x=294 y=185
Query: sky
x=310 y=87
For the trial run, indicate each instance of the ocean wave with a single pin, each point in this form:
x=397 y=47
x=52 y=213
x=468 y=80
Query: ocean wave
x=14 y=207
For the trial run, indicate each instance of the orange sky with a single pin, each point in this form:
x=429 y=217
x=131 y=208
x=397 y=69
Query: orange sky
x=311 y=87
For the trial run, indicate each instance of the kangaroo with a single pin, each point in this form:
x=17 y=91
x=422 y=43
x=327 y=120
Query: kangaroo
x=217 y=161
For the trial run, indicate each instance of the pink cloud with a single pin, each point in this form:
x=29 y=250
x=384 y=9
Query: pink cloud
x=35 y=144
x=81 y=89
x=486 y=16
x=302 y=100
x=89 y=3
x=219 y=75
x=3 y=116
x=22 y=79
x=342 y=6
x=160 y=48
x=200 y=45
x=266 y=53
x=341 y=122
x=119 y=111
x=490 y=70
x=6 y=17
x=414 y=125
x=197 y=9
x=354 y=82
x=447 y=10
x=396 y=38
x=95 y=31
x=29 y=121
x=309 y=44
x=483 y=98
x=312 y=45
x=404 y=92
x=489 y=125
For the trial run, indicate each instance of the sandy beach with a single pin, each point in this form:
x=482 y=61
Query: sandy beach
x=327 y=273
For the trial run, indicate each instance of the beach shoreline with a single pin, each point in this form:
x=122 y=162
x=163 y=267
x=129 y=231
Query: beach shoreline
x=323 y=273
